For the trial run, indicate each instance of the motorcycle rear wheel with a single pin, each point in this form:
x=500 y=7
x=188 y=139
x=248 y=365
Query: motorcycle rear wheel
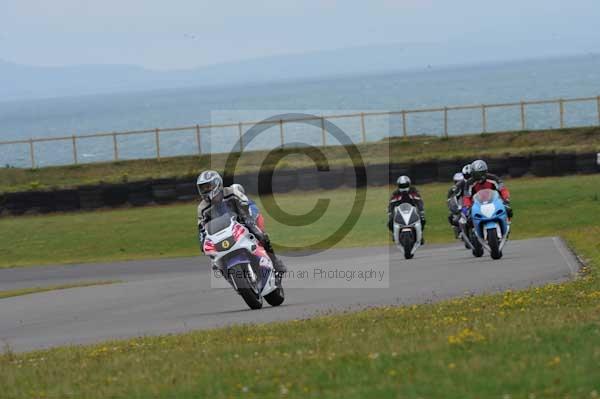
x=408 y=250
x=276 y=297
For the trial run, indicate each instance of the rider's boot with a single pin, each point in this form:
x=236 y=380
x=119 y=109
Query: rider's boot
x=278 y=265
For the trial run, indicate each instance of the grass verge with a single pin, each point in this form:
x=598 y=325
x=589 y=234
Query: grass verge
x=543 y=207
x=538 y=343
x=35 y=290
x=400 y=150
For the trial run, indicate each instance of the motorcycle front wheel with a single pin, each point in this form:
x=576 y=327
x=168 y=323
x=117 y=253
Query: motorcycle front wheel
x=407 y=241
x=477 y=247
x=247 y=289
x=494 y=244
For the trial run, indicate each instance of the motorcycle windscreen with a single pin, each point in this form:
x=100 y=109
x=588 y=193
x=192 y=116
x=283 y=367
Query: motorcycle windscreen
x=486 y=196
x=219 y=223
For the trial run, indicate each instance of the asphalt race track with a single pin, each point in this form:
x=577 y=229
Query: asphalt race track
x=176 y=295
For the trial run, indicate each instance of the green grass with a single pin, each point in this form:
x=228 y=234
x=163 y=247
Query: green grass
x=543 y=207
x=399 y=150
x=35 y=290
x=537 y=343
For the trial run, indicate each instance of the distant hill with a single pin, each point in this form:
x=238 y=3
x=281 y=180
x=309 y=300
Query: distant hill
x=25 y=82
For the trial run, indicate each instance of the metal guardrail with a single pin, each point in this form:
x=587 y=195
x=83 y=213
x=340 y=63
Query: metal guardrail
x=364 y=135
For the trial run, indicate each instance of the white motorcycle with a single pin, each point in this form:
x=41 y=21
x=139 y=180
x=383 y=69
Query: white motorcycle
x=408 y=231
x=242 y=261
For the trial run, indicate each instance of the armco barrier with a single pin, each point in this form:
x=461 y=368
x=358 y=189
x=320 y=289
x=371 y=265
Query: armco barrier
x=378 y=175
x=40 y=202
x=447 y=169
x=329 y=180
x=140 y=194
x=249 y=181
x=499 y=166
x=67 y=200
x=115 y=195
x=164 y=191
x=184 y=189
x=284 y=181
x=518 y=165
x=91 y=197
x=425 y=172
x=587 y=163
x=15 y=203
x=542 y=165
x=565 y=164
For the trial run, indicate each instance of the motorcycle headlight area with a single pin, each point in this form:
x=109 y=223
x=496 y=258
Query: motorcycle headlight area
x=414 y=218
x=487 y=210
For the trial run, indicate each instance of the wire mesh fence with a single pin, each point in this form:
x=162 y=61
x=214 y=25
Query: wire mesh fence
x=362 y=127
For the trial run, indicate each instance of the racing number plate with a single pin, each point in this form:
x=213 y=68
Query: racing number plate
x=225 y=244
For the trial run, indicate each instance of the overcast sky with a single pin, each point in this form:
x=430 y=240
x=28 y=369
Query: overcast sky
x=188 y=33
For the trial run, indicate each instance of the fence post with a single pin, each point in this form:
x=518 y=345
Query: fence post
x=324 y=139
x=561 y=106
x=32 y=153
x=281 y=133
x=157 y=136
x=115 y=146
x=198 y=140
x=404 y=130
x=483 y=118
x=363 y=131
x=74 y=149
x=523 y=121
x=446 y=122
x=598 y=102
x=240 y=131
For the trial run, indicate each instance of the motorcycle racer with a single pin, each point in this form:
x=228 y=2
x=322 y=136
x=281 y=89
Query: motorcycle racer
x=481 y=179
x=406 y=193
x=457 y=188
x=214 y=196
x=455 y=194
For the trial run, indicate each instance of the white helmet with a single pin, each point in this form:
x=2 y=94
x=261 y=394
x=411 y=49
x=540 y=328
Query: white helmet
x=403 y=183
x=209 y=184
x=479 y=170
x=458 y=177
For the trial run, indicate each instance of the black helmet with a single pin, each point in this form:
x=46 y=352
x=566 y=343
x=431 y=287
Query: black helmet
x=210 y=185
x=403 y=183
x=466 y=171
x=479 y=170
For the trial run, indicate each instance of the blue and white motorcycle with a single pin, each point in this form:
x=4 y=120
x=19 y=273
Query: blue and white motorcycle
x=490 y=221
